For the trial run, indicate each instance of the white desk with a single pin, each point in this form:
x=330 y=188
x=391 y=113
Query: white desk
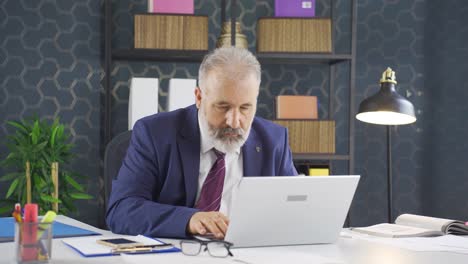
x=346 y=250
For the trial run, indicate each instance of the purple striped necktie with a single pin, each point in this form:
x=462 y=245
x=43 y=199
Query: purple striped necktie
x=212 y=189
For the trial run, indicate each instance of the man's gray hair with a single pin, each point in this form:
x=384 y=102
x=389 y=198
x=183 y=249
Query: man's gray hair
x=230 y=63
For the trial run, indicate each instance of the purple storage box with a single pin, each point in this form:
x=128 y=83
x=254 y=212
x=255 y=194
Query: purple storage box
x=295 y=8
x=171 y=6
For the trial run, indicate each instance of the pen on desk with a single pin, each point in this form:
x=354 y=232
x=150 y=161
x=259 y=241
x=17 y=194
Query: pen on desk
x=157 y=245
x=140 y=249
x=152 y=246
x=131 y=250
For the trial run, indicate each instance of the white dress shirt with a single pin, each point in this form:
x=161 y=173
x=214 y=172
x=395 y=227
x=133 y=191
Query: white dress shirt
x=233 y=176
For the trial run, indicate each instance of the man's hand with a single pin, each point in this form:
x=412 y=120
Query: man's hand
x=203 y=223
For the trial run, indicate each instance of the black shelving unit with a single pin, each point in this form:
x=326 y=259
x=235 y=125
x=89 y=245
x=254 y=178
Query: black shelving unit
x=330 y=59
x=295 y=58
x=158 y=55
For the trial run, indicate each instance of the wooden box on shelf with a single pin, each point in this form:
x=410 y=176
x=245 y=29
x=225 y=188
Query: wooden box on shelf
x=310 y=136
x=175 y=32
x=275 y=34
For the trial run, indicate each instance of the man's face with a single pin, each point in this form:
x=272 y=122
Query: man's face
x=227 y=109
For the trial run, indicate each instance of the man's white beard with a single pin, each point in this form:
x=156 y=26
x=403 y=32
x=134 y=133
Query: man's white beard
x=224 y=144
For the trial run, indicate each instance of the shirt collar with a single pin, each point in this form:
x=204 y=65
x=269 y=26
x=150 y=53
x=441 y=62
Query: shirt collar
x=206 y=142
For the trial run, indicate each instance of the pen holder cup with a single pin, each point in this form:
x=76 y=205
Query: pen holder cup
x=33 y=242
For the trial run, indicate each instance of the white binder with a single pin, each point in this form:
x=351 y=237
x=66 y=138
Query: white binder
x=143 y=99
x=181 y=93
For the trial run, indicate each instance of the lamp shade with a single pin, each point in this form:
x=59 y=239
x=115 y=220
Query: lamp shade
x=386 y=107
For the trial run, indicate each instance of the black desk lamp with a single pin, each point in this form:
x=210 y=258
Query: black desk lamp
x=388 y=108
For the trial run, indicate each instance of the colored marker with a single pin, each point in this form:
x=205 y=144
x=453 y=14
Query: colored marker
x=17 y=213
x=46 y=221
x=29 y=240
x=18 y=208
x=17 y=217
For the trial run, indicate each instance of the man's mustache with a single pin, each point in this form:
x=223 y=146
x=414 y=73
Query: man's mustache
x=229 y=130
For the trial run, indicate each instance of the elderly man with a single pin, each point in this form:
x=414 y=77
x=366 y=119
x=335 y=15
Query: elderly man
x=182 y=168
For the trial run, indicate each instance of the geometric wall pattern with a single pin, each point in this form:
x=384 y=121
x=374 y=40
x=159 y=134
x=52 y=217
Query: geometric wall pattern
x=390 y=34
x=51 y=65
x=446 y=173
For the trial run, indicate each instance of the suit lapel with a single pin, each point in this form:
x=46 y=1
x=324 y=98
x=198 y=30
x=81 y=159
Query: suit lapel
x=252 y=155
x=189 y=152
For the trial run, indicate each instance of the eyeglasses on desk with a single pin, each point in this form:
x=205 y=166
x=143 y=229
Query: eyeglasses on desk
x=216 y=248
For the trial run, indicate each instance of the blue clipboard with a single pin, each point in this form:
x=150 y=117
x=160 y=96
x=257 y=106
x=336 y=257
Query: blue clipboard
x=60 y=230
x=172 y=249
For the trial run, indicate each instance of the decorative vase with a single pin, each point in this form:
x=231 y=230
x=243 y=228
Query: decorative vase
x=224 y=39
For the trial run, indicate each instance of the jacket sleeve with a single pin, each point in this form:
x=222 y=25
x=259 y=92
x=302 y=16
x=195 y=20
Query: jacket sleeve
x=132 y=209
x=286 y=164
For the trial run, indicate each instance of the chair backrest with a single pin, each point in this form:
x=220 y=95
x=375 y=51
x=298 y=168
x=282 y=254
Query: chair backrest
x=113 y=158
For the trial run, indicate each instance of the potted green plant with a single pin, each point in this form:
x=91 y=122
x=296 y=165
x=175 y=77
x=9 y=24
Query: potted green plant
x=36 y=150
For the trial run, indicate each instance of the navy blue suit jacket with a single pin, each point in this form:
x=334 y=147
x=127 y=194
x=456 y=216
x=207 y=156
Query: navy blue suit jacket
x=154 y=193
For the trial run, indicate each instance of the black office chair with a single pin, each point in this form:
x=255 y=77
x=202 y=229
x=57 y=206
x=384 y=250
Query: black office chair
x=113 y=158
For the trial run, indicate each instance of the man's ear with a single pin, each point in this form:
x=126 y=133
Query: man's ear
x=198 y=97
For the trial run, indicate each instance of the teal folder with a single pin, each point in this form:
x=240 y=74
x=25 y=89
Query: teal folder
x=59 y=230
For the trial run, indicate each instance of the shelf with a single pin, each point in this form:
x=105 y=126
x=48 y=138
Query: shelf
x=159 y=55
x=197 y=56
x=312 y=156
x=294 y=58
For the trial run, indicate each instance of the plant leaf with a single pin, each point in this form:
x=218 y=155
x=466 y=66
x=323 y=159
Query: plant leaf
x=35 y=132
x=52 y=137
x=48 y=198
x=5 y=209
x=12 y=188
x=11 y=176
x=73 y=183
x=81 y=196
x=18 y=125
x=60 y=131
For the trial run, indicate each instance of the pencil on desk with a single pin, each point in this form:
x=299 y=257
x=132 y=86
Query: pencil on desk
x=155 y=245
x=131 y=250
x=142 y=248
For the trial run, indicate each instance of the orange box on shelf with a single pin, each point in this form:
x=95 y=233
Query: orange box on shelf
x=296 y=107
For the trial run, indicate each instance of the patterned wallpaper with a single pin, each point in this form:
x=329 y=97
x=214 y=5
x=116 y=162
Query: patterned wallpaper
x=50 y=64
x=390 y=34
x=445 y=182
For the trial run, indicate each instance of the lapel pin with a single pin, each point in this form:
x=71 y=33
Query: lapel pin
x=258 y=149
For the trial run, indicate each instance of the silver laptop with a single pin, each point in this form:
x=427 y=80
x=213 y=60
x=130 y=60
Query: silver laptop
x=276 y=211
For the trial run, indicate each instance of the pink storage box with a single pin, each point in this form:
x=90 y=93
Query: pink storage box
x=294 y=8
x=171 y=6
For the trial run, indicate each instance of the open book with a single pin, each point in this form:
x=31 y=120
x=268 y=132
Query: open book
x=409 y=225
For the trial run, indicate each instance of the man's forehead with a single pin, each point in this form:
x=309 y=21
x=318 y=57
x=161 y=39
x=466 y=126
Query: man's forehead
x=221 y=83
